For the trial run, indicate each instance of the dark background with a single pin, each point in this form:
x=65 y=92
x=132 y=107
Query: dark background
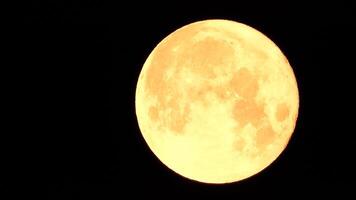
x=82 y=60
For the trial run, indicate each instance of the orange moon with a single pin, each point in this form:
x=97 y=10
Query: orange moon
x=217 y=101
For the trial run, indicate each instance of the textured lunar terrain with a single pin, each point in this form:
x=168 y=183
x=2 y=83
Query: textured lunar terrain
x=217 y=101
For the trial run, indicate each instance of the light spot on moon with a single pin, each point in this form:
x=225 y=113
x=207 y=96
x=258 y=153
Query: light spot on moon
x=216 y=100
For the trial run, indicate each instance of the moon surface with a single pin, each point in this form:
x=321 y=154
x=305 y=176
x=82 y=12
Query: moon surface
x=217 y=101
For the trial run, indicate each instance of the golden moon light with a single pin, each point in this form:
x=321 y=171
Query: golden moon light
x=217 y=101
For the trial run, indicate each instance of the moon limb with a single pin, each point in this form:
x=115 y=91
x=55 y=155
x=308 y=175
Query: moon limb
x=168 y=83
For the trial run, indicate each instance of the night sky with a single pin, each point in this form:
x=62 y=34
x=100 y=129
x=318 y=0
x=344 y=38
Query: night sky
x=86 y=56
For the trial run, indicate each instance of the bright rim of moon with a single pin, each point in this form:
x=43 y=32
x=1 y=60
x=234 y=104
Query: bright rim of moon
x=217 y=101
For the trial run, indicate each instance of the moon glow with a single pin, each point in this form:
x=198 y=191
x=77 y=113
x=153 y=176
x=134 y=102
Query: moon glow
x=217 y=101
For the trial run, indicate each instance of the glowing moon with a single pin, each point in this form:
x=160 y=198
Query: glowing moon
x=217 y=101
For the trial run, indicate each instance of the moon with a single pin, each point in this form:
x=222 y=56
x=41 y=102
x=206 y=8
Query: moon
x=216 y=101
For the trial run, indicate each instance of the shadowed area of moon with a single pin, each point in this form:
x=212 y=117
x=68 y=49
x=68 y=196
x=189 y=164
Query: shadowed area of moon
x=223 y=80
x=202 y=61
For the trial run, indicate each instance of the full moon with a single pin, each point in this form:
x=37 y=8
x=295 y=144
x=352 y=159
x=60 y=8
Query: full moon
x=217 y=101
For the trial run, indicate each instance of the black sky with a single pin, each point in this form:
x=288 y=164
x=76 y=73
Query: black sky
x=86 y=56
